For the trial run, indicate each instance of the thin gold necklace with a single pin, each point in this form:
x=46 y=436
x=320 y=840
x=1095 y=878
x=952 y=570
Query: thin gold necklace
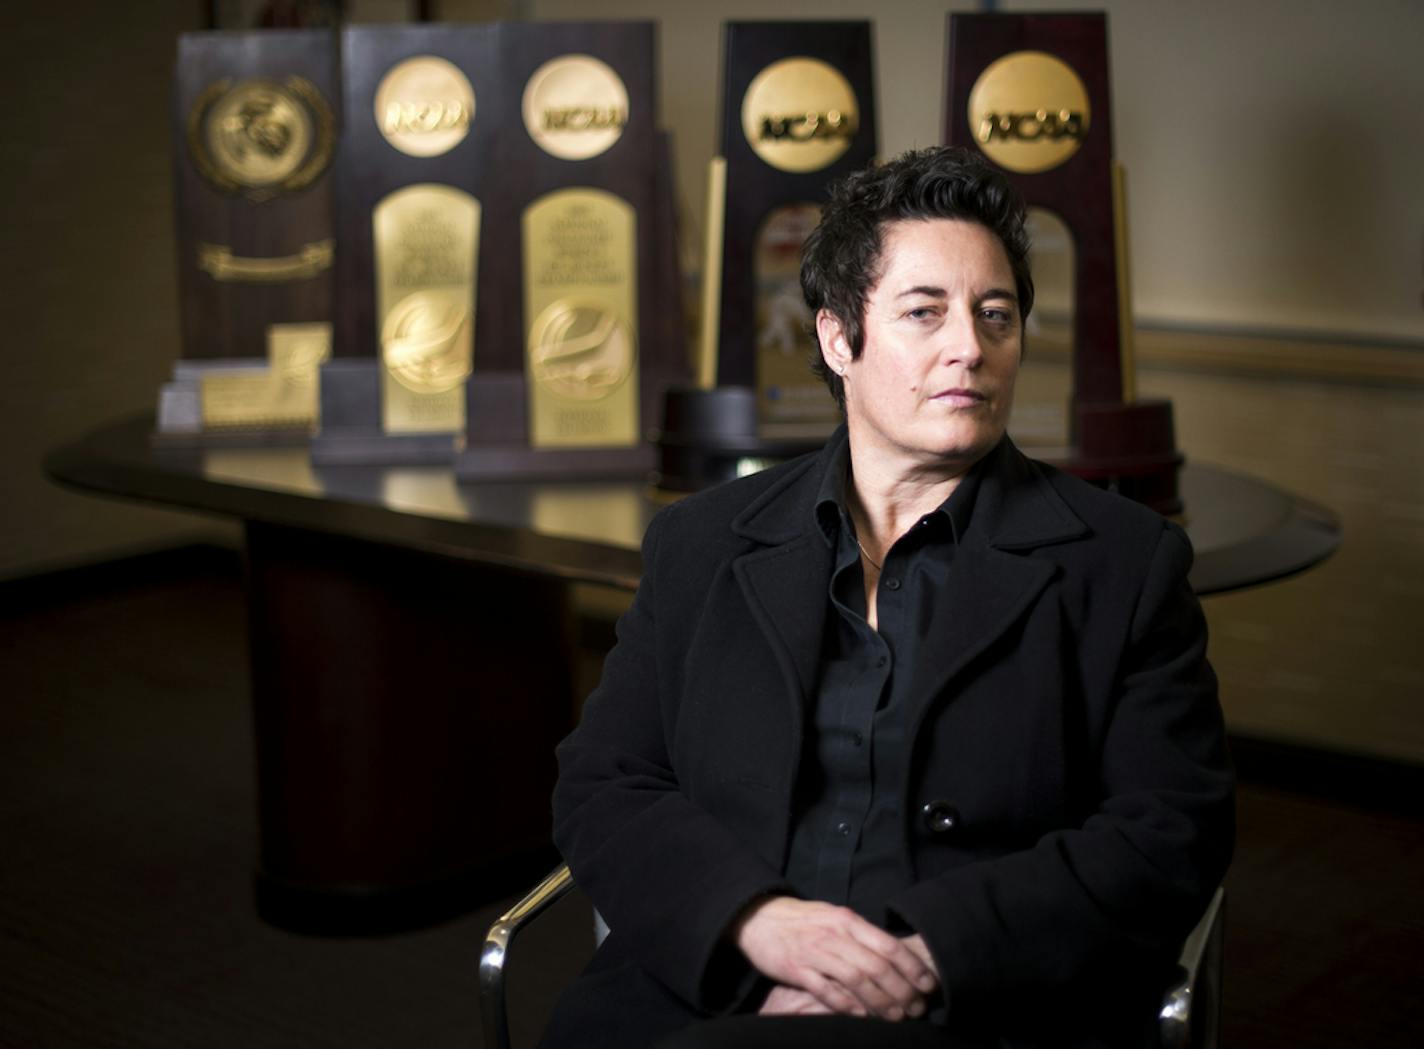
x=866 y=554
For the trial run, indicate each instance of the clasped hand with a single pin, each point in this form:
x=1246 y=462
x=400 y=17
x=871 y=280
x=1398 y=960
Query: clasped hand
x=828 y=959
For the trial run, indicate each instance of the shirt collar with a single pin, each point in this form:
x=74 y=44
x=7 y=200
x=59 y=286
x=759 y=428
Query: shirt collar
x=831 y=508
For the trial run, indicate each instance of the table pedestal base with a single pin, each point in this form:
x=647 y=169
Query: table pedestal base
x=407 y=707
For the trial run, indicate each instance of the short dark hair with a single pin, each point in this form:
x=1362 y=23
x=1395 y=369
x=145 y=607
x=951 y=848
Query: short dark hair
x=840 y=261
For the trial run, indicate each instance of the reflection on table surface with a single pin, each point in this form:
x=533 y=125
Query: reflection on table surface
x=1245 y=530
x=614 y=512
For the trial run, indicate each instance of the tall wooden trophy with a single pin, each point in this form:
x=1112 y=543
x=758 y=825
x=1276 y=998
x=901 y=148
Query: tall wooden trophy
x=255 y=129
x=570 y=389
x=1031 y=93
x=797 y=111
x=422 y=282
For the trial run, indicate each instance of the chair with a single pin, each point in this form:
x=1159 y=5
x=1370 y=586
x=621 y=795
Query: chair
x=1190 y=1017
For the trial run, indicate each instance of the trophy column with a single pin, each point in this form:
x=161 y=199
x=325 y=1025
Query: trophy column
x=1031 y=93
x=798 y=111
x=571 y=394
x=420 y=291
x=255 y=132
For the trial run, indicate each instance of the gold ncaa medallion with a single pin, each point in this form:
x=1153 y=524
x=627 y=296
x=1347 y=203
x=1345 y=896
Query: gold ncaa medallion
x=425 y=341
x=261 y=138
x=575 y=107
x=424 y=106
x=800 y=114
x=1028 y=111
x=580 y=349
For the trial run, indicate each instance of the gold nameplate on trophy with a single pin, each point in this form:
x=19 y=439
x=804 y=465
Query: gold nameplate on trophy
x=426 y=239
x=283 y=394
x=223 y=265
x=580 y=300
x=799 y=114
x=1028 y=111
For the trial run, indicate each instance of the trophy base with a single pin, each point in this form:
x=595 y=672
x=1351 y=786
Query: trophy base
x=181 y=422
x=497 y=448
x=711 y=436
x=1130 y=449
x=351 y=432
x=519 y=462
x=357 y=447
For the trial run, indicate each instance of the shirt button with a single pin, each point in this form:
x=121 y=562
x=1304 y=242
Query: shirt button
x=843 y=829
x=881 y=661
x=857 y=739
x=892 y=584
x=940 y=817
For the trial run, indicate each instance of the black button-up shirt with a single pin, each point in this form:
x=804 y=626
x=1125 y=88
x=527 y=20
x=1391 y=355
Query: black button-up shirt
x=848 y=845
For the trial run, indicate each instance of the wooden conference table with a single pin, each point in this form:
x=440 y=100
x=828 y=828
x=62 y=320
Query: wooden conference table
x=412 y=651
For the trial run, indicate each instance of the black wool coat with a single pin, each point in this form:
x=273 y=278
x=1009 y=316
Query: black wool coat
x=1069 y=796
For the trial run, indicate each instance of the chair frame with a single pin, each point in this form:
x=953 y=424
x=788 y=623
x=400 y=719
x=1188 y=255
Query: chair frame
x=1190 y=1017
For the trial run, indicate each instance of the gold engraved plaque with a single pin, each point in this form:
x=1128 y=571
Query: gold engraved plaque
x=800 y=114
x=580 y=301
x=426 y=247
x=1028 y=111
x=575 y=107
x=283 y=394
x=424 y=106
x=261 y=138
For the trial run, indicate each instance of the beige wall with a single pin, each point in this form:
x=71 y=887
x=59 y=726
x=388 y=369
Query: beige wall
x=87 y=282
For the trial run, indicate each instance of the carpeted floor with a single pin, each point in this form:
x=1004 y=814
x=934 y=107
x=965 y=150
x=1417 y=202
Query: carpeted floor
x=127 y=838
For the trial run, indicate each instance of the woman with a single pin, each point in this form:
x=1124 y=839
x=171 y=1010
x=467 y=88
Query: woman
x=912 y=738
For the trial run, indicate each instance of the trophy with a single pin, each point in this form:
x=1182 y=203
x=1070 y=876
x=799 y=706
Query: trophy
x=585 y=188
x=255 y=130
x=422 y=281
x=1031 y=93
x=797 y=112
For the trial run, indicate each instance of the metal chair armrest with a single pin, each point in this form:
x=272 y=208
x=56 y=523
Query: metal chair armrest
x=494 y=953
x=1190 y=1014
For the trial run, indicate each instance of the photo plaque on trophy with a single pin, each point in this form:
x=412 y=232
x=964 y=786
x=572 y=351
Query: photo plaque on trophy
x=421 y=279
x=255 y=129
x=1031 y=93
x=571 y=392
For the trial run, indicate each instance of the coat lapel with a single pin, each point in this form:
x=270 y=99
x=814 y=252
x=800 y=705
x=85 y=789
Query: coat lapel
x=994 y=581
x=784 y=577
x=785 y=586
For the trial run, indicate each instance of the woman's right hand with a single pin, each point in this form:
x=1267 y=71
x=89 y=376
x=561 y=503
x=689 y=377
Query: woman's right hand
x=841 y=960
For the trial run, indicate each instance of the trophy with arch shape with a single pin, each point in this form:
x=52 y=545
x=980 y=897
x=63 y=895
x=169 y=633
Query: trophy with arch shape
x=797 y=111
x=420 y=288
x=1030 y=92
x=585 y=189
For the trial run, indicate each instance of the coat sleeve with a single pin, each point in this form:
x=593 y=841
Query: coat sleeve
x=666 y=875
x=1121 y=890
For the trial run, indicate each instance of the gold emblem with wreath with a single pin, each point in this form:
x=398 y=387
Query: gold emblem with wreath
x=260 y=138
